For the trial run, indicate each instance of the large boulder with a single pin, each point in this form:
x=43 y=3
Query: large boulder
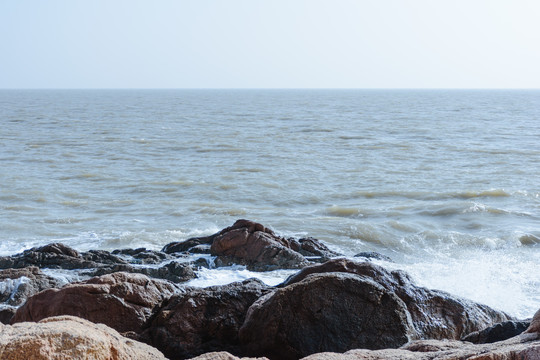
x=259 y=248
x=203 y=320
x=224 y=355
x=67 y=337
x=122 y=301
x=326 y=312
x=435 y=314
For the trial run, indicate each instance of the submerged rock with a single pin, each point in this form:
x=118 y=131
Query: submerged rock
x=203 y=320
x=122 y=301
x=68 y=337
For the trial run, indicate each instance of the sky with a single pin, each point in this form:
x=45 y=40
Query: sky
x=270 y=44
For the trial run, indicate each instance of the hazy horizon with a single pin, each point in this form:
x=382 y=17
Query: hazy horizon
x=243 y=44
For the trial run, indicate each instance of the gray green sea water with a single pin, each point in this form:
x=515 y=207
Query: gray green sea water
x=445 y=182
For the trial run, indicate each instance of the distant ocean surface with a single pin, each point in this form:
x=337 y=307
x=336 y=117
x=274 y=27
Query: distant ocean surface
x=445 y=182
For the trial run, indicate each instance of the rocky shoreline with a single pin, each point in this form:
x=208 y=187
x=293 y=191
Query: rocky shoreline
x=134 y=304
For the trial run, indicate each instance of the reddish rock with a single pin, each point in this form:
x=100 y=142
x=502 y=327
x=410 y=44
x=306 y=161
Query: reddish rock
x=122 y=301
x=203 y=320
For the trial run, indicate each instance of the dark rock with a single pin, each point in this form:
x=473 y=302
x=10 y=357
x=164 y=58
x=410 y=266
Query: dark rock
x=203 y=320
x=326 y=312
x=497 y=332
x=183 y=246
x=312 y=247
x=374 y=255
x=144 y=256
x=55 y=256
x=19 y=284
x=435 y=314
x=122 y=301
x=6 y=313
x=174 y=271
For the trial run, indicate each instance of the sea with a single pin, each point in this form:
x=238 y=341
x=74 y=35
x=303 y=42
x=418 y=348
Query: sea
x=446 y=183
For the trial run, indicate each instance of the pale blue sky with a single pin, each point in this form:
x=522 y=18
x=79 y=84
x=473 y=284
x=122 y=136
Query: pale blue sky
x=270 y=44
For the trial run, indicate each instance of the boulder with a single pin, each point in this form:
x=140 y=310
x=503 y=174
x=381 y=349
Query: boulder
x=122 y=301
x=251 y=244
x=67 y=337
x=203 y=319
x=326 y=312
x=259 y=248
x=435 y=314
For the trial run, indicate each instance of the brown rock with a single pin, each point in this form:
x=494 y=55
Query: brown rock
x=122 y=301
x=325 y=312
x=203 y=320
x=435 y=314
x=67 y=337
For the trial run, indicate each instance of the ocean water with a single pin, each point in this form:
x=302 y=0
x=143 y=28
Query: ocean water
x=445 y=182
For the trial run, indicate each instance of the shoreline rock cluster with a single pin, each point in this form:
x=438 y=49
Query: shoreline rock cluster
x=332 y=308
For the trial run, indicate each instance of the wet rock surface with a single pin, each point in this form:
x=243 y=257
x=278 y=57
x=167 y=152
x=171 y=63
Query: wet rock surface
x=497 y=332
x=203 y=320
x=326 y=312
x=435 y=314
x=122 y=301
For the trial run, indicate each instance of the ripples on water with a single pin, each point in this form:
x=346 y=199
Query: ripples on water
x=444 y=182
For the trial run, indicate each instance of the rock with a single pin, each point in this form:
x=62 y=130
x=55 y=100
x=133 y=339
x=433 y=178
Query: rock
x=435 y=314
x=144 y=256
x=16 y=285
x=497 y=332
x=122 y=301
x=534 y=327
x=183 y=246
x=55 y=256
x=251 y=244
x=374 y=255
x=203 y=320
x=6 y=313
x=100 y=262
x=521 y=347
x=259 y=248
x=67 y=337
x=173 y=271
x=223 y=355
x=326 y=312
